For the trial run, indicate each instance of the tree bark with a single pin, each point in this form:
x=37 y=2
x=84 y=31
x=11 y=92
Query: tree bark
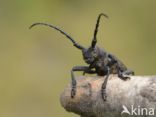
x=138 y=92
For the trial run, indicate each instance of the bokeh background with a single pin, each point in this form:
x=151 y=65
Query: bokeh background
x=35 y=64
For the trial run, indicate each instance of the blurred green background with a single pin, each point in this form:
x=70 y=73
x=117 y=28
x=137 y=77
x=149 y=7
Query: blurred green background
x=35 y=64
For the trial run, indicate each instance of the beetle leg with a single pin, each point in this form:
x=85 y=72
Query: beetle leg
x=103 y=88
x=125 y=74
x=89 y=71
x=85 y=69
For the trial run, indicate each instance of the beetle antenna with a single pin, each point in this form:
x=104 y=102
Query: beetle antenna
x=96 y=29
x=69 y=37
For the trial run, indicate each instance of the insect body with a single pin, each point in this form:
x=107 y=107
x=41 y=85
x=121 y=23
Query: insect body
x=100 y=62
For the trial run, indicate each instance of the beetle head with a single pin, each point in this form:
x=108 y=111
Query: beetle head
x=90 y=55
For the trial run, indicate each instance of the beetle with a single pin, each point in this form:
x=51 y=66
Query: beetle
x=99 y=61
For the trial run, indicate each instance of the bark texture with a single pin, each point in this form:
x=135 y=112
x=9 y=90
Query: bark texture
x=139 y=92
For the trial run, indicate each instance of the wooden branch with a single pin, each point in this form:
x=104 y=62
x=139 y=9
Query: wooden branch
x=139 y=92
